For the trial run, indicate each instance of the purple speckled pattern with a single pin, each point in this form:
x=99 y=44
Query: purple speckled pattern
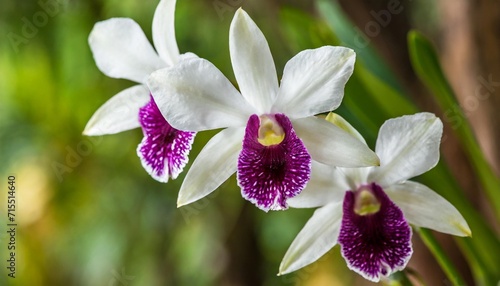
x=377 y=244
x=269 y=175
x=164 y=150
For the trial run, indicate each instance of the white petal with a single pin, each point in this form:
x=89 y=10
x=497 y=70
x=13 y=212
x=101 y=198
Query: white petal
x=188 y=56
x=354 y=176
x=119 y=113
x=423 y=207
x=313 y=81
x=331 y=145
x=164 y=32
x=214 y=165
x=317 y=237
x=327 y=184
x=252 y=62
x=194 y=95
x=121 y=50
x=343 y=124
x=407 y=147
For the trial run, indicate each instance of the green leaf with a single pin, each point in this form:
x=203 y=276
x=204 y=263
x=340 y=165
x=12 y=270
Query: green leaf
x=441 y=257
x=425 y=62
x=354 y=38
x=481 y=275
x=303 y=31
x=390 y=101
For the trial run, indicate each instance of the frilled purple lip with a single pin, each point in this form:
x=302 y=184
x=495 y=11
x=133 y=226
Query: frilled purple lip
x=269 y=175
x=376 y=244
x=164 y=150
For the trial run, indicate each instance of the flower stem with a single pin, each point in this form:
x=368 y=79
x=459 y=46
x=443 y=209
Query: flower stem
x=481 y=275
x=441 y=257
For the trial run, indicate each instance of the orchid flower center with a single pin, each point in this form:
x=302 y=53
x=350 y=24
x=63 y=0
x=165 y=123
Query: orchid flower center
x=273 y=164
x=365 y=202
x=270 y=131
x=375 y=238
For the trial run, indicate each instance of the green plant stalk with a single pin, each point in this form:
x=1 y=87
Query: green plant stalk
x=426 y=64
x=481 y=276
x=441 y=257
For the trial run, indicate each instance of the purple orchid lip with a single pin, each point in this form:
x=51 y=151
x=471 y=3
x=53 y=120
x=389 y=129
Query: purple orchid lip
x=375 y=237
x=274 y=164
x=164 y=150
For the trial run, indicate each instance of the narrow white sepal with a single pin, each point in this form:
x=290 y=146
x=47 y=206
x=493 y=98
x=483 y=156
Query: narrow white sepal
x=423 y=207
x=213 y=166
x=354 y=177
x=164 y=32
x=328 y=144
x=343 y=124
x=119 y=113
x=252 y=62
x=327 y=184
x=317 y=237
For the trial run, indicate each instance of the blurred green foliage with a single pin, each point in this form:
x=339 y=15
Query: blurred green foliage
x=90 y=215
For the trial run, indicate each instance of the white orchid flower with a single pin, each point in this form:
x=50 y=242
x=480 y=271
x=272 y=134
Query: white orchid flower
x=121 y=50
x=367 y=211
x=275 y=123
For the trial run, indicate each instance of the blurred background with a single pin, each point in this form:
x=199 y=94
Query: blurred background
x=88 y=214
